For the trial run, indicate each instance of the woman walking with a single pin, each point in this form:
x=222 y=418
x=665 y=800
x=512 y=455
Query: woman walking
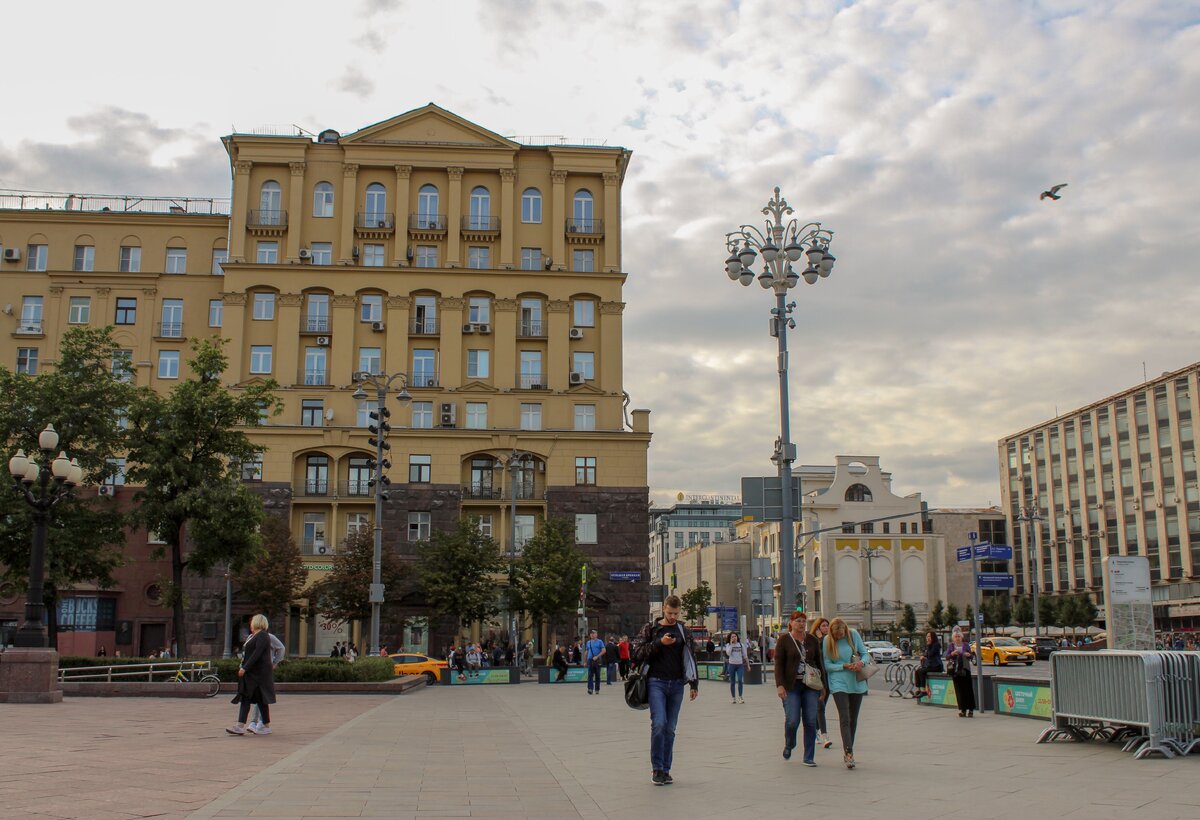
x=735 y=658
x=844 y=655
x=958 y=664
x=256 y=678
x=931 y=661
x=794 y=653
x=819 y=628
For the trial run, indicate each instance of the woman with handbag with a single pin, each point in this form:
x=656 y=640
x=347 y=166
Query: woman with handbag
x=819 y=628
x=958 y=664
x=797 y=682
x=735 y=661
x=931 y=661
x=846 y=658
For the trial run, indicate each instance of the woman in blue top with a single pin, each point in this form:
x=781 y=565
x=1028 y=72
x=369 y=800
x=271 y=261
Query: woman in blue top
x=840 y=648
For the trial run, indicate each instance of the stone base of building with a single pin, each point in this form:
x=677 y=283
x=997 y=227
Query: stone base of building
x=29 y=676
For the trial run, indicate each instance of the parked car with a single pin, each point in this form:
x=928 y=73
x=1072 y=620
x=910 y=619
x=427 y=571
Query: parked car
x=1002 y=651
x=1042 y=646
x=412 y=664
x=882 y=651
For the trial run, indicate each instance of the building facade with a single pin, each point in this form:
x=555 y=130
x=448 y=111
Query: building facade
x=486 y=270
x=694 y=520
x=955 y=525
x=725 y=566
x=1117 y=477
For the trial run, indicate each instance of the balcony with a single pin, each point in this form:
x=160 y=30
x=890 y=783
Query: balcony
x=267 y=222
x=423 y=327
x=427 y=226
x=585 y=231
x=356 y=488
x=316 y=546
x=312 y=488
x=313 y=378
x=481 y=492
x=29 y=327
x=168 y=330
x=532 y=330
x=374 y=224
x=477 y=228
x=531 y=381
x=314 y=324
x=423 y=379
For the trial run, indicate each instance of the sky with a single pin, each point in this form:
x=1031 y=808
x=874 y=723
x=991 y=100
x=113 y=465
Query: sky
x=961 y=308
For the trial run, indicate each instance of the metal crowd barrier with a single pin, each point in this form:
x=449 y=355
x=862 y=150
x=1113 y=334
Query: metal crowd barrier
x=164 y=671
x=1150 y=701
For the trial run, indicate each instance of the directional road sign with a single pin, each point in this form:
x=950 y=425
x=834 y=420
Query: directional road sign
x=994 y=580
x=963 y=553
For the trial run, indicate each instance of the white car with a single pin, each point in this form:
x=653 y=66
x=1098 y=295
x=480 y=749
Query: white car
x=882 y=651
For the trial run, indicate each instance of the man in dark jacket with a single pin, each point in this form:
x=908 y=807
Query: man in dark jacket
x=559 y=663
x=795 y=650
x=666 y=646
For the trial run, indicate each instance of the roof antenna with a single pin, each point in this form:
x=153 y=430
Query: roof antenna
x=1144 y=377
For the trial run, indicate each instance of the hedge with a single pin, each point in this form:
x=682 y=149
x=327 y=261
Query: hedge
x=292 y=670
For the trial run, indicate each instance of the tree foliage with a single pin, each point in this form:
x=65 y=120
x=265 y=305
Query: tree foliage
x=1048 y=611
x=185 y=451
x=1023 y=611
x=937 y=616
x=343 y=595
x=696 y=601
x=456 y=572
x=908 y=620
x=275 y=576
x=547 y=577
x=952 y=618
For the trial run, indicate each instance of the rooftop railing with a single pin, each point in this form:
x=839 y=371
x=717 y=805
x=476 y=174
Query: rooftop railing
x=21 y=200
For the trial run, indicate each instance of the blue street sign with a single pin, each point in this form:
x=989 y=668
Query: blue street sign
x=973 y=536
x=729 y=618
x=963 y=553
x=719 y=610
x=994 y=580
x=625 y=576
x=994 y=552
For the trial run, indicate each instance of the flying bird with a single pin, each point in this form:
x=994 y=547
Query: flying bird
x=1053 y=192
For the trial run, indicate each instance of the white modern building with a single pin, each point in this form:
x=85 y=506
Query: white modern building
x=694 y=520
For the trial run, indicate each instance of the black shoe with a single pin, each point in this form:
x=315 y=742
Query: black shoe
x=667 y=779
x=787 y=753
x=657 y=778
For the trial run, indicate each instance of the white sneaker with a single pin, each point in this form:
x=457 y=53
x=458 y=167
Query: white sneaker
x=741 y=700
x=236 y=729
x=735 y=701
x=262 y=730
x=252 y=728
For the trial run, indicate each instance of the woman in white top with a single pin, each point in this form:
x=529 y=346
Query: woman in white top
x=736 y=657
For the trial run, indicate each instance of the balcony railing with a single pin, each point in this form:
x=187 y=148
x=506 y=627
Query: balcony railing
x=371 y=221
x=313 y=487
x=485 y=491
x=266 y=219
x=531 y=381
x=474 y=223
x=532 y=330
x=427 y=222
x=62 y=201
x=316 y=546
x=169 y=330
x=424 y=327
x=314 y=324
x=423 y=379
x=29 y=328
x=356 y=488
x=588 y=226
x=318 y=378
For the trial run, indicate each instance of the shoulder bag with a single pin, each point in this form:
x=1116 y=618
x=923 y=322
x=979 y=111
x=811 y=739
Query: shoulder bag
x=637 y=691
x=812 y=675
x=869 y=666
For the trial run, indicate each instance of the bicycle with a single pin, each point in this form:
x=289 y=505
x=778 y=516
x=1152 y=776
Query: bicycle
x=189 y=676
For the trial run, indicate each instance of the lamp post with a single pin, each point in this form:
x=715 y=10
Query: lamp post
x=1028 y=515
x=780 y=244
x=379 y=430
x=515 y=463
x=42 y=482
x=870 y=553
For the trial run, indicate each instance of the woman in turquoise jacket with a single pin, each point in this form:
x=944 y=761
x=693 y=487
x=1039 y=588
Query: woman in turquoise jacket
x=840 y=648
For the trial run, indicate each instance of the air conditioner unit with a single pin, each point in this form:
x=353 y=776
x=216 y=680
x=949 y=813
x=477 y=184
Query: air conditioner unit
x=484 y=328
x=323 y=341
x=576 y=333
x=305 y=253
x=468 y=328
x=577 y=378
x=448 y=414
x=12 y=254
x=378 y=327
x=322 y=549
x=108 y=490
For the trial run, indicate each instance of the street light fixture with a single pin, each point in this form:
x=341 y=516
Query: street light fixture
x=1028 y=515
x=870 y=553
x=781 y=244
x=42 y=482
x=517 y=461
x=379 y=430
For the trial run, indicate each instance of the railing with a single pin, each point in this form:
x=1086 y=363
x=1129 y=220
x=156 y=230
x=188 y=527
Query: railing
x=375 y=221
x=316 y=546
x=318 y=378
x=266 y=219
x=190 y=669
x=532 y=330
x=481 y=491
x=356 y=488
x=27 y=328
x=169 y=330
x=423 y=380
x=592 y=227
x=531 y=381
x=427 y=222
x=558 y=139
x=313 y=487
x=62 y=201
x=315 y=324
x=424 y=327
x=480 y=223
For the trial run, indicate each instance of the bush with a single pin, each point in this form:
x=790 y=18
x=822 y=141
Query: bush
x=318 y=670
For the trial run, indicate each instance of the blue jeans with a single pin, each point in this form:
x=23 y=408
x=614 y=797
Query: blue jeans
x=594 y=674
x=737 y=674
x=610 y=674
x=666 y=696
x=801 y=704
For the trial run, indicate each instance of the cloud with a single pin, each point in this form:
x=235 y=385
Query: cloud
x=354 y=81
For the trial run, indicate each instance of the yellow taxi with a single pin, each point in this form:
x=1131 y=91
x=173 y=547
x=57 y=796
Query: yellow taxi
x=408 y=663
x=999 y=651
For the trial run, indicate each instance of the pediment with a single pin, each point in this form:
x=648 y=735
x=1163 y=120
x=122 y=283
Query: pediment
x=430 y=124
x=476 y=386
x=586 y=387
x=253 y=381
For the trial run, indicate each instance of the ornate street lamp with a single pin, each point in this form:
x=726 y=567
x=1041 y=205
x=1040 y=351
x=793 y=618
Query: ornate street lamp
x=782 y=245
x=517 y=462
x=42 y=482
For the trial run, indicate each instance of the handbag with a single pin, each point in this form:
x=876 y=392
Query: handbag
x=637 y=690
x=812 y=675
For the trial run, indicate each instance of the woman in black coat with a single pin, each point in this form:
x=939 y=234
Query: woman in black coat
x=256 y=677
x=931 y=661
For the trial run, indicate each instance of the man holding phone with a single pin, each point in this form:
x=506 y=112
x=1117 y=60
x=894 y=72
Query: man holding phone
x=666 y=647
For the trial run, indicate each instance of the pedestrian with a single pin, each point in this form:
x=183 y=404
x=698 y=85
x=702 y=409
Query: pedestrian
x=351 y=654
x=256 y=680
x=336 y=652
x=665 y=646
x=278 y=653
x=559 y=662
x=844 y=654
x=735 y=661
x=593 y=658
x=383 y=652
x=771 y=644
x=710 y=649
x=102 y=652
x=931 y=662
x=117 y=653
x=793 y=655
x=611 y=659
x=818 y=628
x=623 y=656
x=958 y=664
x=343 y=649
x=474 y=660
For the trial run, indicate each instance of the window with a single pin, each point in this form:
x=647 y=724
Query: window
x=427 y=256
x=376 y=210
x=313 y=537
x=357 y=522
x=427 y=208
x=531 y=370
x=130 y=260
x=424 y=369
x=270 y=198
x=323 y=200
x=27 y=360
x=260 y=359
x=316 y=475
x=582 y=209
x=480 y=209
x=418 y=526
x=220 y=257
x=264 y=306
x=373 y=256
x=80 y=310
x=267 y=252
x=583 y=261
x=479 y=310
x=312 y=412
x=422 y=415
x=585 y=313
x=420 y=469
x=370 y=360
x=35 y=257
x=216 y=311
x=315 y=364
x=85 y=258
x=322 y=253
x=531 y=416
x=584 y=363
x=858 y=492
x=31 y=315
x=425 y=314
x=477 y=415
x=524 y=526
x=370 y=308
x=531 y=318
x=168 y=364
x=867 y=528
x=485 y=525
x=364 y=412
x=176 y=260
x=531 y=205
x=585 y=528
x=359 y=475
x=126 y=311
x=172 y=319
x=477 y=364
x=531 y=258
x=585 y=470
x=585 y=417
x=479 y=258
x=122 y=365
x=316 y=313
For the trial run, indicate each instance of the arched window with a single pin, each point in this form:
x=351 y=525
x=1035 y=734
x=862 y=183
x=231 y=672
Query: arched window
x=858 y=492
x=531 y=205
x=323 y=200
x=480 y=209
x=816 y=568
x=270 y=198
x=583 y=210
x=427 y=207
x=376 y=210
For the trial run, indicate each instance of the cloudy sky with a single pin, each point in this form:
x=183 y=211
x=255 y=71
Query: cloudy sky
x=961 y=307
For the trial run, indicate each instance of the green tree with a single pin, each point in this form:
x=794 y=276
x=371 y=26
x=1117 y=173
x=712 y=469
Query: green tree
x=952 y=618
x=185 y=450
x=695 y=601
x=1023 y=611
x=457 y=572
x=1001 y=610
x=85 y=397
x=275 y=576
x=937 y=616
x=1048 y=611
x=908 y=620
x=1088 y=611
x=343 y=595
x=969 y=617
x=546 y=580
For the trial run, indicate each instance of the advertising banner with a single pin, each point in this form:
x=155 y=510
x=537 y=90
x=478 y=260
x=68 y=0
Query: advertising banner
x=941 y=692
x=485 y=676
x=1024 y=699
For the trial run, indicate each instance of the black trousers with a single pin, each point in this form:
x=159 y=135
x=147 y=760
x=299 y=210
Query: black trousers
x=964 y=691
x=848 y=706
x=244 y=711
